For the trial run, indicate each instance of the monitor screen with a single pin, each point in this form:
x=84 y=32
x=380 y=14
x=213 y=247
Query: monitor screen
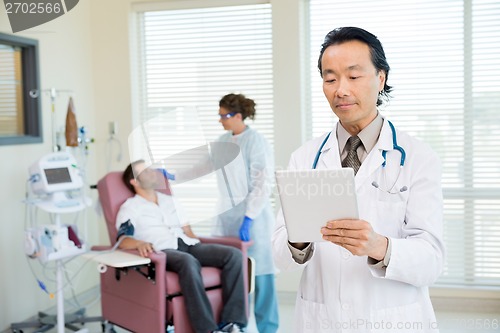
x=57 y=176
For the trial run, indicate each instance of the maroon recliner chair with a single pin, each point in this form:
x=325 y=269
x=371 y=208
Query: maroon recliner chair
x=147 y=298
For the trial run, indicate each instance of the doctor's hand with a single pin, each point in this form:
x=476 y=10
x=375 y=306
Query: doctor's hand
x=245 y=229
x=356 y=236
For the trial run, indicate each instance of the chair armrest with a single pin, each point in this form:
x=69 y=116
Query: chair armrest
x=101 y=248
x=230 y=241
x=157 y=258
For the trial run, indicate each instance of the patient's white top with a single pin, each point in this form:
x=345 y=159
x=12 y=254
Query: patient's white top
x=159 y=224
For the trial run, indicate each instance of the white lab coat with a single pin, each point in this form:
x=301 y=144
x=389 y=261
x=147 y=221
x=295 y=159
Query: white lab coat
x=340 y=292
x=259 y=177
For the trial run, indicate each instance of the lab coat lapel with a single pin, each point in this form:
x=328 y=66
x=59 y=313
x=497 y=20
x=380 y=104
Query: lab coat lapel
x=374 y=159
x=330 y=158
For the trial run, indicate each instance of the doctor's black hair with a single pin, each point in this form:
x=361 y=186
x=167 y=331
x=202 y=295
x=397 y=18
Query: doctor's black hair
x=240 y=104
x=128 y=175
x=347 y=34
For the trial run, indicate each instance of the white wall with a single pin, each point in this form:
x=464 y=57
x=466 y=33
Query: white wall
x=289 y=126
x=88 y=51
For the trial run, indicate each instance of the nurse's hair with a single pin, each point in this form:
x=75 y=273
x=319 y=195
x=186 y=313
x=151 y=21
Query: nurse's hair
x=347 y=34
x=128 y=175
x=240 y=104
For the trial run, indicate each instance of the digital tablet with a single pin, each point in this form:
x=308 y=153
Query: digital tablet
x=310 y=198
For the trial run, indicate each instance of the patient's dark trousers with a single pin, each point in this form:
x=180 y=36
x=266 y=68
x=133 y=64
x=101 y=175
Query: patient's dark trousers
x=187 y=261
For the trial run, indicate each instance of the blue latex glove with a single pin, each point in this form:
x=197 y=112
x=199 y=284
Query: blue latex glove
x=167 y=175
x=245 y=229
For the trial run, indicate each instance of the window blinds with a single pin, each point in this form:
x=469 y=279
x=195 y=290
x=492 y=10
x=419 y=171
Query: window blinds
x=445 y=71
x=191 y=58
x=11 y=91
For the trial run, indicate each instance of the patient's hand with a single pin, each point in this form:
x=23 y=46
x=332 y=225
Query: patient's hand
x=145 y=248
x=130 y=243
x=188 y=231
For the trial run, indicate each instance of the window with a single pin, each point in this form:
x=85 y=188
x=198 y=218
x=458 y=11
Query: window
x=191 y=57
x=20 y=118
x=446 y=76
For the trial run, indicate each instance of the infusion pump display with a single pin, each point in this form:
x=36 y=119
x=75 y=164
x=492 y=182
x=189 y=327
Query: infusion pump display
x=55 y=172
x=57 y=175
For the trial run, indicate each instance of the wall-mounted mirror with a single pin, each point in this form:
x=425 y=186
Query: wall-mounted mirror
x=20 y=111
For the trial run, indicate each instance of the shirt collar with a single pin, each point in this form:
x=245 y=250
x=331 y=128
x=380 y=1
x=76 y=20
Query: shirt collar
x=369 y=135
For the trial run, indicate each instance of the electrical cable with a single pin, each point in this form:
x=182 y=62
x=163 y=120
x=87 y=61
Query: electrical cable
x=72 y=288
x=87 y=260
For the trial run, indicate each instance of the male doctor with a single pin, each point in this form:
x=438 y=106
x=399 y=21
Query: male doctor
x=371 y=274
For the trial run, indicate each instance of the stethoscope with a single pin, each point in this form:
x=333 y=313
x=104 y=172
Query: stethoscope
x=395 y=146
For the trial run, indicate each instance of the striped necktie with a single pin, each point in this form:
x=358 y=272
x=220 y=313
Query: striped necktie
x=352 y=160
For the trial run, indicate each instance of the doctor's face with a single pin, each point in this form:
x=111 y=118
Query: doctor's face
x=351 y=84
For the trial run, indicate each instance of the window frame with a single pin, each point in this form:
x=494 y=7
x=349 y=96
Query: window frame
x=31 y=82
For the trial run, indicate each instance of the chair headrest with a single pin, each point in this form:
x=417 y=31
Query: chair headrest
x=112 y=194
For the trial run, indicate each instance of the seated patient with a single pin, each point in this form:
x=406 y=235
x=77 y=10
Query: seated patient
x=150 y=222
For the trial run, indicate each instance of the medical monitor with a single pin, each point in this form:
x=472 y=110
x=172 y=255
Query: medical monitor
x=57 y=175
x=55 y=172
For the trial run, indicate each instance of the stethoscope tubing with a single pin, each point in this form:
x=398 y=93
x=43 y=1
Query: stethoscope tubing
x=395 y=146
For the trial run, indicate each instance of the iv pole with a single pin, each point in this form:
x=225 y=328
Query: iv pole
x=59 y=265
x=53 y=95
x=53 y=92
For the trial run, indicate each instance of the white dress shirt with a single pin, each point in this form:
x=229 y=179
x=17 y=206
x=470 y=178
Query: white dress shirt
x=159 y=224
